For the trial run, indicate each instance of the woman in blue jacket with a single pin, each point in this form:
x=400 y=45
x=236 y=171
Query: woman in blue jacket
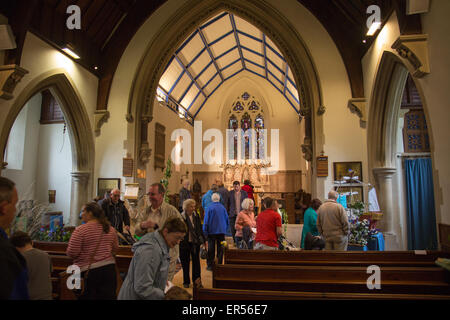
x=310 y=220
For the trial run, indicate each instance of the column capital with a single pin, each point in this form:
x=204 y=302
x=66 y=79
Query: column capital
x=81 y=175
x=384 y=172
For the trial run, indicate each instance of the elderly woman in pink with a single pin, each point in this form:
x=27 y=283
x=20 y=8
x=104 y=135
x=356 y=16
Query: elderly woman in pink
x=245 y=225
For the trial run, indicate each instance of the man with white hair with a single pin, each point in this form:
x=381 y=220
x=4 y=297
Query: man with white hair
x=332 y=223
x=215 y=226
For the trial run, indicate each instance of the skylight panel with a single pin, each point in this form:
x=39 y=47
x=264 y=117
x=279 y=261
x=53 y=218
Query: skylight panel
x=248 y=28
x=170 y=76
x=223 y=45
x=180 y=87
x=217 y=29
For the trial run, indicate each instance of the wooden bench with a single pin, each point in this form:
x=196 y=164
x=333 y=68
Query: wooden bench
x=61 y=247
x=240 y=294
x=332 y=258
x=61 y=262
x=414 y=280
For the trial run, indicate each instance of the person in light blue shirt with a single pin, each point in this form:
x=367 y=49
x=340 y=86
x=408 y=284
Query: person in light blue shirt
x=310 y=221
x=206 y=199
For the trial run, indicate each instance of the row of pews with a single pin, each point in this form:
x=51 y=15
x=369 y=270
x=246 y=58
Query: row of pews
x=60 y=263
x=291 y=275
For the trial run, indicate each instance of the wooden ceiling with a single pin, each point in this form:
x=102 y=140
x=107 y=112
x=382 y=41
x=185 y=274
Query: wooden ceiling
x=109 y=25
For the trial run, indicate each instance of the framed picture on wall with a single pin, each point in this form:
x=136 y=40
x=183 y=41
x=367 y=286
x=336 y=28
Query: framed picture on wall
x=344 y=172
x=352 y=194
x=105 y=185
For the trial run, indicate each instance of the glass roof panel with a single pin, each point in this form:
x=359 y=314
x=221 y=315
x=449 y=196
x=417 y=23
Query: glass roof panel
x=216 y=51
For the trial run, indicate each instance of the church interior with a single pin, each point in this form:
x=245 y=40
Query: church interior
x=295 y=96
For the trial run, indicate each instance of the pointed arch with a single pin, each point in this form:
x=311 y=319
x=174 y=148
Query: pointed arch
x=79 y=128
x=184 y=21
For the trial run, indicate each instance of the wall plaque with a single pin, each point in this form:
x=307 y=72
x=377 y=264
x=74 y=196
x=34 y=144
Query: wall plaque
x=127 y=169
x=322 y=166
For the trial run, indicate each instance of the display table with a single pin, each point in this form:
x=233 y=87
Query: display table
x=376 y=242
x=356 y=247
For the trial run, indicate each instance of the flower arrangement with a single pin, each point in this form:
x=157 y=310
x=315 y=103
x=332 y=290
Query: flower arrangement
x=359 y=229
x=59 y=234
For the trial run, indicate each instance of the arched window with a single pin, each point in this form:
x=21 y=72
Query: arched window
x=247 y=114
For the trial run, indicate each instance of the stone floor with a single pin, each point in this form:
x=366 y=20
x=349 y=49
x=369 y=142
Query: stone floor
x=205 y=274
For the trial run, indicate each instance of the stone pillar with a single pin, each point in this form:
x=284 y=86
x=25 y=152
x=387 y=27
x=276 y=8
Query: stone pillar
x=79 y=196
x=386 y=197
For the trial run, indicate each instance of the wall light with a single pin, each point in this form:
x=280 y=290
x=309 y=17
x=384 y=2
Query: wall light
x=69 y=50
x=373 y=28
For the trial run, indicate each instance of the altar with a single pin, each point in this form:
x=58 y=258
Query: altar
x=255 y=172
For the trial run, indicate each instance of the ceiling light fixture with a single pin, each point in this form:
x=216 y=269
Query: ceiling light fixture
x=70 y=51
x=373 y=28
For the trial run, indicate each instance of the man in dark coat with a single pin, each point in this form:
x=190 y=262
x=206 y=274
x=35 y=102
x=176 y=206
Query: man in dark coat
x=116 y=212
x=236 y=196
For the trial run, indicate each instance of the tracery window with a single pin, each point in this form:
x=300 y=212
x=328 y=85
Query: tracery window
x=246 y=114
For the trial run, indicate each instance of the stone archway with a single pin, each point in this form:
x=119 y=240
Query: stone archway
x=178 y=27
x=79 y=128
x=383 y=166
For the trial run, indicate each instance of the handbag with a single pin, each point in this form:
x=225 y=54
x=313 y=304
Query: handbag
x=203 y=253
x=77 y=292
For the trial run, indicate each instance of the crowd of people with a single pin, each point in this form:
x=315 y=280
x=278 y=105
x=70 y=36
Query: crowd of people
x=171 y=239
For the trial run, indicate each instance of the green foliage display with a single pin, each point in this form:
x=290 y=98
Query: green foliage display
x=165 y=180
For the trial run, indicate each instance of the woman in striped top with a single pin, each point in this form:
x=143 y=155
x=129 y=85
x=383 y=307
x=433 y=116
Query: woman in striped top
x=92 y=247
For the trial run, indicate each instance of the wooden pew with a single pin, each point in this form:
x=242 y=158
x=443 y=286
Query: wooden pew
x=61 y=247
x=398 y=280
x=240 y=294
x=61 y=262
x=332 y=258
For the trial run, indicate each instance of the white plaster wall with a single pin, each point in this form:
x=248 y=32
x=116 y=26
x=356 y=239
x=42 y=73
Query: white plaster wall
x=38 y=57
x=25 y=178
x=47 y=161
x=434 y=88
x=54 y=165
x=344 y=139
x=172 y=122
x=278 y=114
x=110 y=146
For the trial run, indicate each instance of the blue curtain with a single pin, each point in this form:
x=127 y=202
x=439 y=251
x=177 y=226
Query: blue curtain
x=421 y=216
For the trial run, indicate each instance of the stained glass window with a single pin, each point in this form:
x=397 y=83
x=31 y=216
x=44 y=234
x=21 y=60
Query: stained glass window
x=253 y=106
x=232 y=142
x=259 y=127
x=238 y=107
x=247 y=114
